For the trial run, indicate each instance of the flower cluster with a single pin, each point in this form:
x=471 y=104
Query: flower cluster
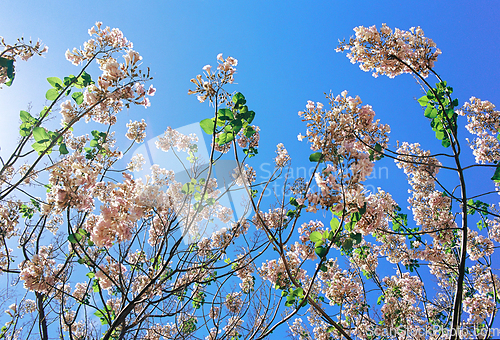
x=173 y=138
x=282 y=157
x=247 y=175
x=276 y=271
x=233 y=302
x=252 y=142
x=40 y=273
x=401 y=296
x=9 y=217
x=136 y=163
x=136 y=131
x=431 y=208
x=110 y=275
x=72 y=183
x=120 y=83
x=391 y=52
x=347 y=136
x=10 y=53
x=212 y=86
x=105 y=40
x=483 y=122
x=339 y=286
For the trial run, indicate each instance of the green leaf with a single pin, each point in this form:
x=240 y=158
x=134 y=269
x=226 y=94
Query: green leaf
x=78 y=97
x=440 y=134
x=237 y=124
x=320 y=251
x=445 y=142
x=62 y=149
x=496 y=175
x=208 y=125
x=380 y=299
x=84 y=80
x=347 y=244
x=356 y=237
x=225 y=114
x=423 y=100
x=40 y=134
x=25 y=117
x=430 y=112
x=238 y=98
x=9 y=65
x=75 y=238
x=44 y=112
x=316 y=236
x=90 y=275
x=249 y=116
x=315 y=157
x=51 y=94
x=100 y=315
x=225 y=138
x=187 y=188
x=249 y=131
x=55 y=82
x=334 y=224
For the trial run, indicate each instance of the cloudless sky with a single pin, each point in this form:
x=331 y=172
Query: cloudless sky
x=286 y=56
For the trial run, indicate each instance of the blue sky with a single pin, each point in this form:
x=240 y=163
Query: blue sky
x=286 y=57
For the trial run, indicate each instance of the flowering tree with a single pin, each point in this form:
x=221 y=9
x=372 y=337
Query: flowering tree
x=101 y=254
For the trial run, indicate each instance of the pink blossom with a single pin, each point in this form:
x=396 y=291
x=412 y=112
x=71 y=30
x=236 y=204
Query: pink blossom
x=151 y=91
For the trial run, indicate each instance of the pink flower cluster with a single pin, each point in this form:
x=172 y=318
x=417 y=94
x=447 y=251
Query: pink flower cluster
x=431 y=208
x=252 y=142
x=9 y=217
x=119 y=82
x=105 y=40
x=21 y=50
x=111 y=275
x=40 y=273
x=173 y=138
x=282 y=157
x=391 y=52
x=340 y=286
x=401 y=295
x=72 y=183
x=212 y=86
x=119 y=212
x=478 y=246
x=483 y=121
x=276 y=272
x=136 y=131
x=346 y=135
